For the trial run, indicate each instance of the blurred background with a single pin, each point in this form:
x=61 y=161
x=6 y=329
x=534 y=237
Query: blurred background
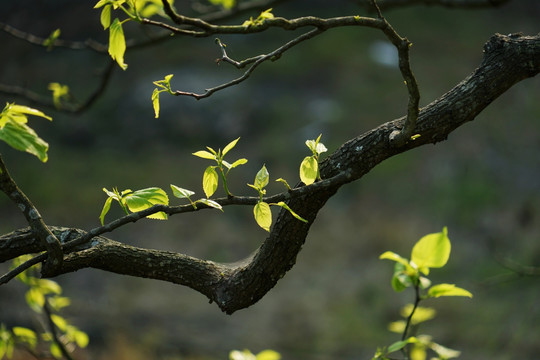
x=483 y=182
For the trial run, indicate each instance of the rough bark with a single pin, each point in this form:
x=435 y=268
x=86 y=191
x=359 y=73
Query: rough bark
x=507 y=60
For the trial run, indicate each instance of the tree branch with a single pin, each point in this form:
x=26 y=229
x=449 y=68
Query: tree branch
x=507 y=60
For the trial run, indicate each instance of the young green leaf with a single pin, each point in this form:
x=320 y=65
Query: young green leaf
x=447 y=290
x=431 y=251
x=210 y=203
x=420 y=315
x=105 y=17
x=49 y=41
x=268 y=355
x=155 y=102
x=145 y=198
x=25 y=335
x=59 y=92
x=21 y=137
x=284 y=182
x=117 y=43
x=229 y=146
x=286 y=207
x=204 y=154
x=210 y=181
x=398 y=345
x=105 y=210
x=180 y=192
x=444 y=352
x=263 y=215
x=236 y=163
x=261 y=179
x=309 y=170
x=394 y=257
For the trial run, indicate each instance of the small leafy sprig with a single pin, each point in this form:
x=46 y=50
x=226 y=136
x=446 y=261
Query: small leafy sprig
x=210 y=176
x=44 y=297
x=162 y=86
x=136 y=201
x=309 y=168
x=263 y=16
x=261 y=211
x=135 y=10
x=431 y=251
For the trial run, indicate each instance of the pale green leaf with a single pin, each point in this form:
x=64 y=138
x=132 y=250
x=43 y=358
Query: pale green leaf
x=81 y=338
x=35 y=299
x=268 y=355
x=229 y=146
x=284 y=182
x=394 y=257
x=25 y=335
x=105 y=17
x=55 y=351
x=241 y=355
x=100 y=3
x=22 y=137
x=155 y=102
x=227 y=4
x=285 y=206
x=210 y=203
x=145 y=198
x=262 y=178
x=237 y=163
x=444 y=352
x=180 y=192
x=50 y=40
x=308 y=170
x=398 y=345
x=210 y=181
x=397 y=326
x=263 y=215
x=59 y=302
x=49 y=286
x=205 y=155
x=59 y=321
x=447 y=290
x=59 y=92
x=117 y=43
x=21 y=109
x=421 y=313
x=105 y=210
x=431 y=251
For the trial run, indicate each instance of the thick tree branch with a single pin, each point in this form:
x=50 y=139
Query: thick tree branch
x=507 y=60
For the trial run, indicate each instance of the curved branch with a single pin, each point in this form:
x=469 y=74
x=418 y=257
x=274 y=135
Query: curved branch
x=507 y=60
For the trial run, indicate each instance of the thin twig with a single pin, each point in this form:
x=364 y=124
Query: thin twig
x=54 y=332
x=256 y=62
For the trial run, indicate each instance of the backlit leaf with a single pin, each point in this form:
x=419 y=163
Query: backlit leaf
x=262 y=178
x=431 y=251
x=447 y=290
x=210 y=181
x=309 y=170
x=155 y=102
x=105 y=17
x=145 y=198
x=117 y=43
x=229 y=146
x=285 y=206
x=204 y=154
x=22 y=137
x=263 y=215
x=210 y=203
x=180 y=192
x=105 y=210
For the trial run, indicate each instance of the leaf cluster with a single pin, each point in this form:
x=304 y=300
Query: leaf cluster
x=309 y=168
x=44 y=297
x=16 y=133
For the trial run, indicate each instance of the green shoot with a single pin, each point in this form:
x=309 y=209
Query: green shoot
x=211 y=176
x=309 y=168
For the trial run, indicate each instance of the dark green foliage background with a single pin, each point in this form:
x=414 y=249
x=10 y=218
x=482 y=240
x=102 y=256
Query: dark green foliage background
x=336 y=302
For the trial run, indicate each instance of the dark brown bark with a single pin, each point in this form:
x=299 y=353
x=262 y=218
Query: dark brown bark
x=507 y=60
